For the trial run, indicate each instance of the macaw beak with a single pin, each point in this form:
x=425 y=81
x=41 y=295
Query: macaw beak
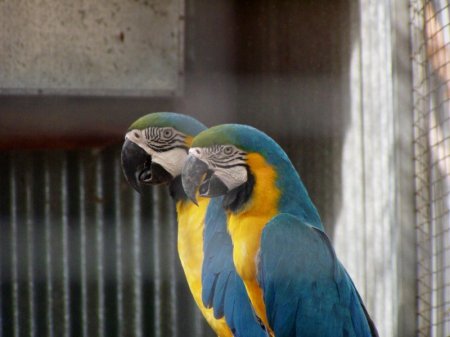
x=197 y=175
x=139 y=169
x=133 y=163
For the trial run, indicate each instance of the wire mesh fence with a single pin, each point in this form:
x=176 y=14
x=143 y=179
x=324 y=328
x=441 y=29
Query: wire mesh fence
x=431 y=75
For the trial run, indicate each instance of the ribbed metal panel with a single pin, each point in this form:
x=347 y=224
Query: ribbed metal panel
x=82 y=254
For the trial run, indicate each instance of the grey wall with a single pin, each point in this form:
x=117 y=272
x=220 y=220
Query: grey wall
x=91 y=47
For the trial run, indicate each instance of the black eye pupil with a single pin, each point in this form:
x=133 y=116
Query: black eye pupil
x=136 y=135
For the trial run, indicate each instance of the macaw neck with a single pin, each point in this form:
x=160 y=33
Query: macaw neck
x=290 y=197
x=276 y=189
x=294 y=198
x=237 y=198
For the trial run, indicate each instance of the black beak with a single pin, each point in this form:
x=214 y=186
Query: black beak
x=139 y=169
x=134 y=162
x=197 y=175
x=192 y=175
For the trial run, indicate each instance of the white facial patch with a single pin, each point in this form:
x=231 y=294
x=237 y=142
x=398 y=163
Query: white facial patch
x=198 y=152
x=232 y=177
x=138 y=137
x=230 y=167
x=172 y=160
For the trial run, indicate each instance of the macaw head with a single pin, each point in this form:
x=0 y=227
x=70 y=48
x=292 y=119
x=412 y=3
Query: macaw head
x=229 y=159
x=156 y=147
x=218 y=163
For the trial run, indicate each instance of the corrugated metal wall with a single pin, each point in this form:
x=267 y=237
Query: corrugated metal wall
x=82 y=254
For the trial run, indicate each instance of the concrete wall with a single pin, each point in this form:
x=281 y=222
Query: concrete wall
x=91 y=47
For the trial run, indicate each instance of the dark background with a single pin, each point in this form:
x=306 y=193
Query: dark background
x=281 y=66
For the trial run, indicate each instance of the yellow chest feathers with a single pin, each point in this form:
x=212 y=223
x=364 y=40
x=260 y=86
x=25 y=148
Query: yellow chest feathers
x=191 y=219
x=191 y=222
x=246 y=227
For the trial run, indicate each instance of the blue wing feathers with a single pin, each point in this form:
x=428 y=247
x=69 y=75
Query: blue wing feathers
x=372 y=326
x=307 y=291
x=356 y=304
x=215 y=268
x=222 y=288
x=219 y=294
x=209 y=285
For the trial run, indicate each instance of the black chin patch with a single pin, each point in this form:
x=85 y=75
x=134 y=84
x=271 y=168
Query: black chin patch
x=237 y=197
x=145 y=175
x=212 y=186
x=203 y=188
x=154 y=174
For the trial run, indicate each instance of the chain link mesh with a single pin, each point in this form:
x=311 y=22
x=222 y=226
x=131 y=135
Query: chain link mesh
x=431 y=76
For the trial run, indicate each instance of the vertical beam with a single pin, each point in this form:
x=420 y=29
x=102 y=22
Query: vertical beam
x=173 y=275
x=83 y=246
x=65 y=247
x=157 y=262
x=404 y=230
x=118 y=242
x=99 y=224
x=137 y=267
x=378 y=209
x=30 y=224
x=48 y=250
x=14 y=253
x=349 y=223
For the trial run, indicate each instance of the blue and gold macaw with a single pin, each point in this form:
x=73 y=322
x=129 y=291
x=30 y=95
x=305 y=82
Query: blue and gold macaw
x=296 y=284
x=154 y=152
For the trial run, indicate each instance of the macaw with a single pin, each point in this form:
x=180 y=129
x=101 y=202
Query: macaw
x=154 y=152
x=296 y=284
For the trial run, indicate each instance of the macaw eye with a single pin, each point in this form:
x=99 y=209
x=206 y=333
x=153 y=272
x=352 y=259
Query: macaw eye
x=167 y=133
x=136 y=134
x=228 y=150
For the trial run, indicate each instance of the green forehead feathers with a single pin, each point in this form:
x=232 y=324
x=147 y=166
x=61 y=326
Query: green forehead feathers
x=217 y=135
x=245 y=137
x=186 y=124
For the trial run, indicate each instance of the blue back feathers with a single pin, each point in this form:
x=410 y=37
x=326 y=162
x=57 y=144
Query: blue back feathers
x=307 y=292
